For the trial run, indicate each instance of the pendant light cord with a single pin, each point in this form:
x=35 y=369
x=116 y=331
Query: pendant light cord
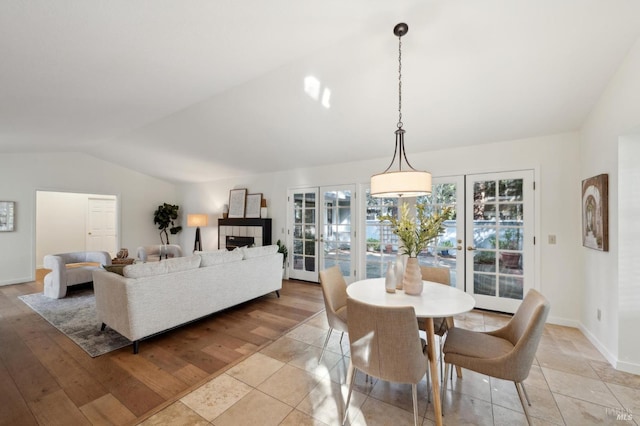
x=400 y=82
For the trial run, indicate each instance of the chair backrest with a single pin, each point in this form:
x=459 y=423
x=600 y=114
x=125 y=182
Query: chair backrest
x=524 y=331
x=334 y=292
x=436 y=274
x=385 y=343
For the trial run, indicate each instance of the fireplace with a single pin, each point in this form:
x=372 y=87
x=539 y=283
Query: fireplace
x=233 y=242
x=236 y=232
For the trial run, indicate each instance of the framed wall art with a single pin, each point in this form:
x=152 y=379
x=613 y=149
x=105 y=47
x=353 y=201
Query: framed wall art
x=254 y=202
x=6 y=216
x=595 y=212
x=237 y=200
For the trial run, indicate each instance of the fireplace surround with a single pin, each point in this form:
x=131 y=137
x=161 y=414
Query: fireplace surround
x=233 y=232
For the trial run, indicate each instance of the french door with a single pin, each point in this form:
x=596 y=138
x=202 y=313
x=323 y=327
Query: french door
x=500 y=238
x=321 y=231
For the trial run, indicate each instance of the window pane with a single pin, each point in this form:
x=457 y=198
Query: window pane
x=511 y=190
x=484 y=192
x=511 y=287
x=484 y=284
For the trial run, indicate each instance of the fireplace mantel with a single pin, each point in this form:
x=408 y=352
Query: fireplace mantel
x=259 y=229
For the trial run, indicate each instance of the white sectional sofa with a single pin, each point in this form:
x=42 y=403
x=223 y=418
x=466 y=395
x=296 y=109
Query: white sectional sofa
x=150 y=298
x=69 y=269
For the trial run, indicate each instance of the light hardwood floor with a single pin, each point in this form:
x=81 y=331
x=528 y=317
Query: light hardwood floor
x=47 y=379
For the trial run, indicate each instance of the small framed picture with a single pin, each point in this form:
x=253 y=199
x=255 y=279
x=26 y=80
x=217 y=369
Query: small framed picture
x=237 y=200
x=6 y=216
x=254 y=202
x=595 y=212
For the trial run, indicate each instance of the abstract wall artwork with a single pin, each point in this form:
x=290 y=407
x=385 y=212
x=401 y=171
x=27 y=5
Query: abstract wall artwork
x=595 y=212
x=6 y=216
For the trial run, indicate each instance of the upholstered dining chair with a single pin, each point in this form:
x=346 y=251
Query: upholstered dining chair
x=385 y=343
x=506 y=353
x=439 y=275
x=334 y=292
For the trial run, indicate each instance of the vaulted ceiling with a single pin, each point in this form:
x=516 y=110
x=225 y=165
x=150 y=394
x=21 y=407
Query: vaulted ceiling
x=197 y=90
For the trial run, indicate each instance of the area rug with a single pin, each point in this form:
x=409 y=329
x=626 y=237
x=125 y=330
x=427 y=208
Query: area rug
x=75 y=316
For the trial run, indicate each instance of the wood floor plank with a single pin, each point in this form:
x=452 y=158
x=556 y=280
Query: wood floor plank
x=10 y=397
x=57 y=409
x=107 y=410
x=161 y=382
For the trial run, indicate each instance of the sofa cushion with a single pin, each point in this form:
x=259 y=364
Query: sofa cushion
x=249 y=252
x=167 y=266
x=210 y=258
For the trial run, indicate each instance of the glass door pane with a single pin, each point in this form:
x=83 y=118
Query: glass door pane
x=381 y=243
x=303 y=264
x=500 y=228
x=447 y=250
x=338 y=229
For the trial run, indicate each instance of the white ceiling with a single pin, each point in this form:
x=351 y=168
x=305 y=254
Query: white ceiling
x=197 y=90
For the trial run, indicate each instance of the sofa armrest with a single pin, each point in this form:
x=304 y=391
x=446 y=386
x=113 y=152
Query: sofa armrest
x=101 y=257
x=112 y=306
x=55 y=282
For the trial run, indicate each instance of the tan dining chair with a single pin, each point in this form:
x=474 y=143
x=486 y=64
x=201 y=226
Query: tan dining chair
x=334 y=292
x=385 y=343
x=438 y=275
x=506 y=353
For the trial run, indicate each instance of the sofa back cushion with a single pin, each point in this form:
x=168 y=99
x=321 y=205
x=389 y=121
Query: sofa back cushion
x=167 y=266
x=210 y=258
x=250 y=252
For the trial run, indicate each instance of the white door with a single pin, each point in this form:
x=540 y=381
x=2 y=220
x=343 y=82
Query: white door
x=500 y=238
x=101 y=225
x=338 y=229
x=302 y=233
x=448 y=250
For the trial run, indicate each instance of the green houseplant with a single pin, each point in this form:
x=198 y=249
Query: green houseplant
x=416 y=233
x=282 y=248
x=165 y=217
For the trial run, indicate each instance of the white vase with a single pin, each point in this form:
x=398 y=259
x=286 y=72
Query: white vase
x=391 y=278
x=412 y=279
x=399 y=272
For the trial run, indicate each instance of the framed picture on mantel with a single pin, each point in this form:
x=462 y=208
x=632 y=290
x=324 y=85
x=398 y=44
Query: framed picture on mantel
x=237 y=200
x=254 y=201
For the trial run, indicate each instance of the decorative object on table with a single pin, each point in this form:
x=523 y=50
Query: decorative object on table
x=123 y=253
x=263 y=209
x=225 y=211
x=254 y=202
x=595 y=212
x=400 y=261
x=407 y=181
x=415 y=235
x=237 y=200
x=197 y=220
x=165 y=217
x=390 y=278
x=75 y=316
x=6 y=216
x=122 y=258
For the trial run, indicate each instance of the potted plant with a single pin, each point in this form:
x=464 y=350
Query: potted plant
x=283 y=249
x=165 y=216
x=445 y=246
x=415 y=234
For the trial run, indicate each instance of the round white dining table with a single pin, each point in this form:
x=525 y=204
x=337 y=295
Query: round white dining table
x=437 y=300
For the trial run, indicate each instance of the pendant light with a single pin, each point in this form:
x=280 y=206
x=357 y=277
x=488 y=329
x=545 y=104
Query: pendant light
x=405 y=181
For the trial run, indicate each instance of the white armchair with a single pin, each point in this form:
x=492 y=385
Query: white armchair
x=62 y=276
x=158 y=251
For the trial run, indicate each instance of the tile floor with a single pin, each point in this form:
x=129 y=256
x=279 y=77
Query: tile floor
x=570 y=383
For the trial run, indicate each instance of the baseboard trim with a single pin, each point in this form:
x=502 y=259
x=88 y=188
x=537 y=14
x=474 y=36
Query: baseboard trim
x=613 y=360
x=563 y=321
x=16 y=281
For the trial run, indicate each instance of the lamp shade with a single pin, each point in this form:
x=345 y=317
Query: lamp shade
x=197 y=220
x=401 y=184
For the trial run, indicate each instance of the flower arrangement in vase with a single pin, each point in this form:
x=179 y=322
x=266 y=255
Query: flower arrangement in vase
x=416 y=233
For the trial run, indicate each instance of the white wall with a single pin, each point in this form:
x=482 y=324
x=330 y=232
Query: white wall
x=22 y=174
x=552 y=157
x=616 y=114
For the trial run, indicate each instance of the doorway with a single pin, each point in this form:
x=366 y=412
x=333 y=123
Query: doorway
x=64 y=222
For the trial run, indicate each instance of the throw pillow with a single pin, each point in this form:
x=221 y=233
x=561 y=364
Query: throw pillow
x=162 y=267
x=218 y=257
x=116 y=269
x=250 y=252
